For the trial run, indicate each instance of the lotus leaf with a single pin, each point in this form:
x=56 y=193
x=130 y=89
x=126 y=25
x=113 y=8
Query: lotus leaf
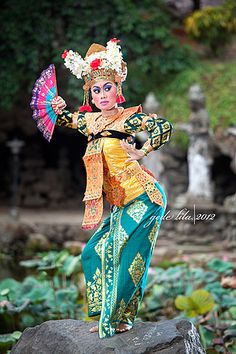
x=198 y=303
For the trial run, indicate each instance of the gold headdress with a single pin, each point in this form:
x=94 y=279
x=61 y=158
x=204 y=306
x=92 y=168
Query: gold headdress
x=99 y=63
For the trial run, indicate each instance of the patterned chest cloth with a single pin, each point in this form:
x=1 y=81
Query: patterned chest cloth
x=96 y=166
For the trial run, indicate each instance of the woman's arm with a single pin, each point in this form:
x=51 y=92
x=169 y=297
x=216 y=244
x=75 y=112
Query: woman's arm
x=74 y=120
x=159 y=129
x=67 y=119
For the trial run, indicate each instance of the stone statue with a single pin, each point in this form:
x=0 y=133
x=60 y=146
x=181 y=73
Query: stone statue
x=200 y=187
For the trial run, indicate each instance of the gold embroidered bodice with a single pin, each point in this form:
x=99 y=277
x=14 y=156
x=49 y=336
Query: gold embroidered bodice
x=121 y=181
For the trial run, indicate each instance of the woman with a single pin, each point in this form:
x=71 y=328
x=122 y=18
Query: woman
x=116 y=258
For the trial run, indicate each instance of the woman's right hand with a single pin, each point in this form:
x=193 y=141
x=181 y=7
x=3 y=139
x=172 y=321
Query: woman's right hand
x=58 y=104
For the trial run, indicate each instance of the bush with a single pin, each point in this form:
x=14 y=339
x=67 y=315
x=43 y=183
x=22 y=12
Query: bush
x=213 y=26
x=32 y=42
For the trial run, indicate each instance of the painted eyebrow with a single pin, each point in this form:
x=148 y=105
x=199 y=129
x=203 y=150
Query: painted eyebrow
x=108 y=82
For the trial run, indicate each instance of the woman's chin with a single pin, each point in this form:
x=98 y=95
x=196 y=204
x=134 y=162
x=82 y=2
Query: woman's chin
x=107 y=108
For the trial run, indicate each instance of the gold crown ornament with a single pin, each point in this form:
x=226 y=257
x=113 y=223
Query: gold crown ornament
x=100 y=63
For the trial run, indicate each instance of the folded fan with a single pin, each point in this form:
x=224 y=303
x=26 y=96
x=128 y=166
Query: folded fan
x=45 y=89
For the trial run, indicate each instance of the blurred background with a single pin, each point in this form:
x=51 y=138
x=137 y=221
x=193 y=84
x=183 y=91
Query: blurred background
x=181 y=59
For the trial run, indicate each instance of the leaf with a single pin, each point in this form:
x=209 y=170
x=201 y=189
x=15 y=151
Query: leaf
x=10 y=284
x=6 y=342
x=198 y=303
x=31 y=263
x=16 y=335
x=228 y=301
x=71 y=265
x=184 y=303
x=203 y=300
x=5 y=292
x=220 y=266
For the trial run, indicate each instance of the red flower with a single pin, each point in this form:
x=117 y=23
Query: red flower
x=115 y=40
x=64 y=54
x=95 y=64
x=86 y=107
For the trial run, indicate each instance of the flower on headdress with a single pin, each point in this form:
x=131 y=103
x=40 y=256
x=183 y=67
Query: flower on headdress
x=115 y=40
x=95 y=64
x=110 y=58
x=64 y=54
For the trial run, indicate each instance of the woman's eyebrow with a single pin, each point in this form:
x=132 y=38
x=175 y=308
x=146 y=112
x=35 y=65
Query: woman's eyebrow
x=108 y=82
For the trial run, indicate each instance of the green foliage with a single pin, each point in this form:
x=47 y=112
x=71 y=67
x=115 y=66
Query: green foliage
x=220 y=266
x=53 y=293
x=218 y=83
x=198 y=303
x=198 y=293
x=7 y=340
x=36 y=33
x=56 y=292
x=213 y=25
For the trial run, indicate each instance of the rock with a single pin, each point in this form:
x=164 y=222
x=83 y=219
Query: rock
x=74 y=247
x=230 y=203
x=73 y=337
x=37 y=242
x=181 y=8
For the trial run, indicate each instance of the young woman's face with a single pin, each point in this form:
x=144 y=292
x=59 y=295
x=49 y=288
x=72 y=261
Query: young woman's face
x=104 y=95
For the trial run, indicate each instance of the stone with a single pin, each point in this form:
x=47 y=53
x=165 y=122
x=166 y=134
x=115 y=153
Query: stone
x=74 y=247
x=37 y=242
x=73 y=337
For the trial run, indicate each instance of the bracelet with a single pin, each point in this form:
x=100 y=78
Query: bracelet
x=145 y=150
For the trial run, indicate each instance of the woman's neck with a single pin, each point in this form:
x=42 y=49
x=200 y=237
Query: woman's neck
x=110 y=112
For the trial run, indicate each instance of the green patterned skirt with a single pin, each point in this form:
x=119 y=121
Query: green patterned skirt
x=116 y=259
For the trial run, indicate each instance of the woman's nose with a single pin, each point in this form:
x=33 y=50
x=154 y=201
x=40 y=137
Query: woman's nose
x=103 y=94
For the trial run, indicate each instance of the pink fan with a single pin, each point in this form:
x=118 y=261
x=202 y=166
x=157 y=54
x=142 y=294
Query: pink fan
x=45 y=89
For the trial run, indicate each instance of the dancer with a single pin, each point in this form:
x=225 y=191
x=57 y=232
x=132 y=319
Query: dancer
x=116 y=258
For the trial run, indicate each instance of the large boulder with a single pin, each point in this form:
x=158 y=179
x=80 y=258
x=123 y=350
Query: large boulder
x=73 y=337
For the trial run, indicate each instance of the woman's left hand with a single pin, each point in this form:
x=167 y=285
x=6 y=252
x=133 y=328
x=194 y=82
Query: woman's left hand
x=134 y=153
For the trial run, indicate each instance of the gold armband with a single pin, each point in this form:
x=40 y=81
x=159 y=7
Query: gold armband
x=146 y=148
x=75 y=120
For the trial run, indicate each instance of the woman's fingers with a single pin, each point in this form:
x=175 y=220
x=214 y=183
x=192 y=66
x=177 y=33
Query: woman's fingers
x=153 y=115
x=60 y=102
x=127 y=145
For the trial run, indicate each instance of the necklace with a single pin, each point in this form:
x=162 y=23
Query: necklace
x=101 y=122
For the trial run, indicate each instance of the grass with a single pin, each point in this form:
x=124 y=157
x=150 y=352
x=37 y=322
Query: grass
x=218 y=81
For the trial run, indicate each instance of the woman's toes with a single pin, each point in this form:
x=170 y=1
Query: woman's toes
x=94 y=329
x=123 y=327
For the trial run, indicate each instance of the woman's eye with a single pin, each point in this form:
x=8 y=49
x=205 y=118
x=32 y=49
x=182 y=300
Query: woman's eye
x=107 y=88
x=96 y=90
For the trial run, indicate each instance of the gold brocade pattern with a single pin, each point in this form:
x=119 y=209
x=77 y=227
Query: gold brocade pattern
x=98 y=247
x=115 y=157
x=132 y=308
x=119 y=312
x=96 y=122
x=137 y=269
x=148 y=183
x=153 y=233
x=115 y=194
x=74 y=120
x=94 y=292
x=93 y=194
x=137 y=210
x=123 y=238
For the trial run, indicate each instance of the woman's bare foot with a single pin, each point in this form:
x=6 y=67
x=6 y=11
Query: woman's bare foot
x=94 y=329
x=123 y=327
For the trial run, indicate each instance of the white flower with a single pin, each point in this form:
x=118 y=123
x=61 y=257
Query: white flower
x=111 y=58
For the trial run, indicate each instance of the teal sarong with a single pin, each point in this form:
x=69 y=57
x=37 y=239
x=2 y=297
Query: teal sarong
x=116 y=260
